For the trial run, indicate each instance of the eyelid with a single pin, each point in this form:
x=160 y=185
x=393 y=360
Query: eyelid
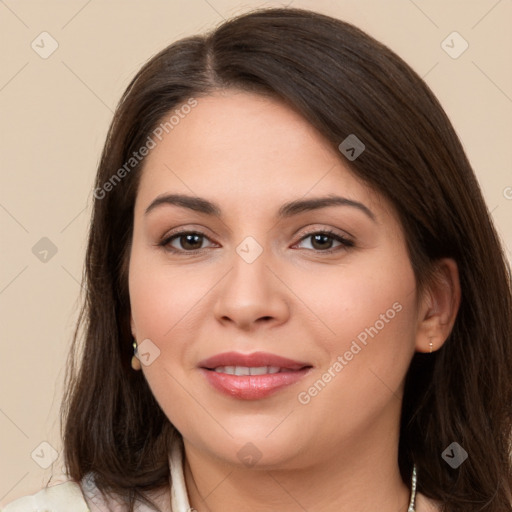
x=326 y=230
x=175 y=234
x=345 y=241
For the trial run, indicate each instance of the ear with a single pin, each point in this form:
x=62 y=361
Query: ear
x=438 y=307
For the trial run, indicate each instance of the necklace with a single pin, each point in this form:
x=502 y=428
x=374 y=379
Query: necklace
x=412 y=502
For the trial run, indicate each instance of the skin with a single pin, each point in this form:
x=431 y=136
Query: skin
x=250 y=154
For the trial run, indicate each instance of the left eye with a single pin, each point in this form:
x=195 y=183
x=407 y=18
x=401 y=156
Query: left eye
x=321 y=238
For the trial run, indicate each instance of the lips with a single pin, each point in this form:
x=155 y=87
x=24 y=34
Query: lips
x=251 y=376
x=254 y=360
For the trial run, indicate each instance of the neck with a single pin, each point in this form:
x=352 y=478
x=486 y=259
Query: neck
x=355 y=477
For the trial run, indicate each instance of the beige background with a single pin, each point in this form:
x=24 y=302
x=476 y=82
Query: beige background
x=55 y=114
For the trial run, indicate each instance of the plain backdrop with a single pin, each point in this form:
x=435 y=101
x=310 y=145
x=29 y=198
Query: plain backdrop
x=55 y=111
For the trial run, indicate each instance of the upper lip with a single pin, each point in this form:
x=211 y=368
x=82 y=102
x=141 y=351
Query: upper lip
x=255 y=359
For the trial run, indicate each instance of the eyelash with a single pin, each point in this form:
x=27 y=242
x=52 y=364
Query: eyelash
x=345 y=242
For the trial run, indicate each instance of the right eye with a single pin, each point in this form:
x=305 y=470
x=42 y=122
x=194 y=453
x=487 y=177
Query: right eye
x=188 y=240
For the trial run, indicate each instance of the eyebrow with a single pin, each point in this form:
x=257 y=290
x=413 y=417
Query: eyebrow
x=287 y=210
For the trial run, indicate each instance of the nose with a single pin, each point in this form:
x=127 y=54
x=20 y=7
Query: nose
x=251 y=294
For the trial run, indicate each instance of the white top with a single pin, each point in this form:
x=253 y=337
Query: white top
x=84 y=497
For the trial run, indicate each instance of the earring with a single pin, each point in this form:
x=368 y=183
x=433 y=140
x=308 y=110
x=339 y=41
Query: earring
x=431 y=345
x=135 y=360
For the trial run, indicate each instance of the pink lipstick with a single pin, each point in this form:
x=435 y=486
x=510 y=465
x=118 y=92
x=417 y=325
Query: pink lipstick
x=252 y=376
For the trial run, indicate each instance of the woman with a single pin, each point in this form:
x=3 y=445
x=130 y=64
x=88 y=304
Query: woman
x=296 y=298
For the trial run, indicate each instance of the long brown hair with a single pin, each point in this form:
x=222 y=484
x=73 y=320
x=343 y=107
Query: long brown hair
x=343 y=82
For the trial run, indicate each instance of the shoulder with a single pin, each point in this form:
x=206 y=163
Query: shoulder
x=64 y=497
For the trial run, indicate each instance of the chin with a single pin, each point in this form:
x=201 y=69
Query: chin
x=257 y=449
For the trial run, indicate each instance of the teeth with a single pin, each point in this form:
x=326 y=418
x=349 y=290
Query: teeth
x=245 y=370
x=242 y=370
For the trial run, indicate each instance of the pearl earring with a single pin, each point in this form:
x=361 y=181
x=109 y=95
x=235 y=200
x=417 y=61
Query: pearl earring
x=135 y=360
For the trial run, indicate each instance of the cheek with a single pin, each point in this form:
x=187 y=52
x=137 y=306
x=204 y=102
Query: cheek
x=373 y=298
x=372 y=310
x=365 y=303
x=162 y=297
x=161 y=302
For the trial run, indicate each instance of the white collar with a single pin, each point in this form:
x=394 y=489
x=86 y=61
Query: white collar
x=179 y=496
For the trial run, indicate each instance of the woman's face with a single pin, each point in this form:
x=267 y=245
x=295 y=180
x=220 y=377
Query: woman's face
x=260 y=275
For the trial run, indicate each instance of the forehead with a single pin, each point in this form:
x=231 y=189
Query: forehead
x=251 y=149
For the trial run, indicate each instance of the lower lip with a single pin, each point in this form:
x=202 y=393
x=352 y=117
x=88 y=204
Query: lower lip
x=252 y=387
